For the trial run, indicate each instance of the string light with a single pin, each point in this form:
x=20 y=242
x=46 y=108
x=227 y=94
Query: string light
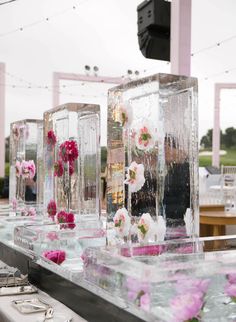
x=218 y=44
x=22 y=28
x=227 y=71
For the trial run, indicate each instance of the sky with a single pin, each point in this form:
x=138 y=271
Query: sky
x=58 y=38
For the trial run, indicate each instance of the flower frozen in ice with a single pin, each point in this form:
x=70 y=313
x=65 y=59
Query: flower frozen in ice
x=57 y=256
x=144 y=135
x=190 y=285
x=14 y=203
x=123 y=114
x=146 y=228
x=138 y=293
x=28 y=169
x=52 y=209
x=66 y=220
x=15 y=132
x=135 y=177
x=51 y=138
x=18 y=168
x=231 y=277
x=122 y=222
x=187 y=307
x=52 y=235
x=58 y=168
x=230 y=290
x=69 y=151
x=31 y=212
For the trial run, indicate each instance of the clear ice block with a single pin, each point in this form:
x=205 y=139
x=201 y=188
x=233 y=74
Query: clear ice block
x=26 y=177
x=153 y=151
x=172 y=287
x=75 y=188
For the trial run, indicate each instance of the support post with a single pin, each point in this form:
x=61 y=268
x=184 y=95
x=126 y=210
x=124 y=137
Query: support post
x=2 y=119
x=216 y=130
x=180 y=48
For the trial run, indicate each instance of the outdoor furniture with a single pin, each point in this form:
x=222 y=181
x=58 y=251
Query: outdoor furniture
x=212 y=223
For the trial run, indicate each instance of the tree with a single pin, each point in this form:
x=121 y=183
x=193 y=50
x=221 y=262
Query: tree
x=230 y=137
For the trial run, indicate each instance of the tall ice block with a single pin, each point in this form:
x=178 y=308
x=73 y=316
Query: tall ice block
x=153 y=151
x=72 y=158
x=26 y=173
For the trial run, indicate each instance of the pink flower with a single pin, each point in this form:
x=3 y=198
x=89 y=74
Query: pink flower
x=192 y=285
x=51 y=138
x=135 y=177
x=56 y=256
x=145 y=135
x=28 y=169
x=52 y=235
x=58 y=168
x=231 y=278
x=14 y=204
x=186 y=306
x=71 y=168
x=29 y=212
x=147 y=228
x=52 y=209
x=138 y=292
x=145 y=302
x=69 y=151
x=230 y=290
x=122 y=222
x=18 y=168
x=15 y=131
x=66 y=220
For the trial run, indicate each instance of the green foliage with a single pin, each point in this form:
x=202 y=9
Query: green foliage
x=227 y=139
x=228 y=159
x=7 y=169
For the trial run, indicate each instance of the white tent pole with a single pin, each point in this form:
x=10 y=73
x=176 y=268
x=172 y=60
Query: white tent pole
x=2 y=119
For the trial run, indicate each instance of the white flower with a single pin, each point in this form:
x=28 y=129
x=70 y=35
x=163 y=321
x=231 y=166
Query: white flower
x=135 y=177
x=146 y=228
x=188 y=219
x=161 y=228
x=123 y=114
x=122 y=222
x=145 y=135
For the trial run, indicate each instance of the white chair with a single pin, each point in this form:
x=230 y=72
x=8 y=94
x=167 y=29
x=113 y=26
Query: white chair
x=228 y=185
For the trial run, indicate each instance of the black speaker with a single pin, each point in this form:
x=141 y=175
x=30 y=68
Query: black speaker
x=154 y=29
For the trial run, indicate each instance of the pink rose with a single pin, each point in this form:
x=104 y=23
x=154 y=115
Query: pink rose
x=28 y=169
x=51 y=138
x=69 y=151
x=18 y=169
x=52 y=209
x=52 y=235
x=56 y=256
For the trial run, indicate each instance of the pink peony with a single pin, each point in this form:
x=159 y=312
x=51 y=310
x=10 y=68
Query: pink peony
x=192 y=285
x=51 y=138
x=186 y=306
x=52 y=209
x=28 y=169
x=231 y=278
x=56 y=256
x=18 y=168
x=230 y=290
x=145 y=302
x=58 y=168
x=69 y=151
